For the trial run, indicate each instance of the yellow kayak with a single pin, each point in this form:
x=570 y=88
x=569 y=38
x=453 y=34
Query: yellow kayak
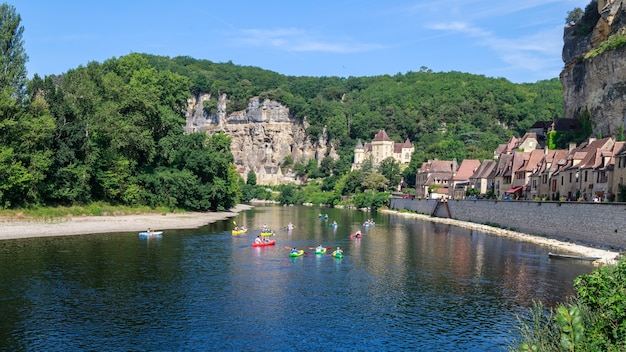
x=239 y=232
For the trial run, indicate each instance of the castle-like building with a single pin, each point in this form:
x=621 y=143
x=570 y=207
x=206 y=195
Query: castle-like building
x=381 y=148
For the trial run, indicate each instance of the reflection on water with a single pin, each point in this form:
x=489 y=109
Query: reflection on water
x=404 y=285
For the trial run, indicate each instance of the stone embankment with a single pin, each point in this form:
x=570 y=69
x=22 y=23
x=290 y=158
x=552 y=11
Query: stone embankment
x=588 y=229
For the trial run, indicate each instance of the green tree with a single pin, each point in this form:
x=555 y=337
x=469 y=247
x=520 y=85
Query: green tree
x=390 y=168
x=13 y=57
x=352 y=183
x=251 y=178
x=375 y=181
x=288 y=194
x=326 y=166
x=299 y=170
x=574 y=16
x=312 y=169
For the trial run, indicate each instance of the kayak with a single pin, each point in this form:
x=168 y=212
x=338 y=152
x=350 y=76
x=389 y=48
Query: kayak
x=337 y=254
x=239 y=232
x=151 y=234
x=296 y=254
x=355 y=236
x=320 y=251
x=267 y=234
x=263 y=244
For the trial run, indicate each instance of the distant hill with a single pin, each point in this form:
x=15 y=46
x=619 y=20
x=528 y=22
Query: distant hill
x=447 y=114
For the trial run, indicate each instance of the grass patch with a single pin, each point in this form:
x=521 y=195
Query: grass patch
x=613 y=43
x=93 y=209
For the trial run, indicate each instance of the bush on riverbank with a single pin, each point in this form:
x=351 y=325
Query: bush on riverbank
x=593 y=320
x=93 y=209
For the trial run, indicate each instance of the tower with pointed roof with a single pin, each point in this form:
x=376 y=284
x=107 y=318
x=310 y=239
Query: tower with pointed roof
x=381 y=148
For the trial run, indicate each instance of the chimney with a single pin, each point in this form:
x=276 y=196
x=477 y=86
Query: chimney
x=572 y=146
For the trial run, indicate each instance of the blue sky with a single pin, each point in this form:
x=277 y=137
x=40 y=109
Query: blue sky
x=520 y=40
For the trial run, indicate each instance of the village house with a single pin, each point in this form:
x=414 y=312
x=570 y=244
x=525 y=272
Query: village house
x=528 y=164
x=540 y=179
x=459 y=183
x=433 y=177
x=574 y=179
x=381 y=148
x=502 y=175
x=619 y=172
x=480 y=178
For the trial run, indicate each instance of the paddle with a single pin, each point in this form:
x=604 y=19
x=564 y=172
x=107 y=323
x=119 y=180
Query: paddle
x=327 y=248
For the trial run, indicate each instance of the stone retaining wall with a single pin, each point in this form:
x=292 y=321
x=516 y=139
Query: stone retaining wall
x=595 y=224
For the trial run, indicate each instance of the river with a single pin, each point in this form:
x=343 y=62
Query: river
x=405 y=285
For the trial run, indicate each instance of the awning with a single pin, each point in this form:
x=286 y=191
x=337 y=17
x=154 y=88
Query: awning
x=514 y=189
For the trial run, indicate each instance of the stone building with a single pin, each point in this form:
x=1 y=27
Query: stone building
x=381 y=148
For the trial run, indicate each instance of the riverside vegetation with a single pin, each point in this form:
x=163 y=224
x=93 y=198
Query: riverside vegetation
x=112 y=132
x=593 y=320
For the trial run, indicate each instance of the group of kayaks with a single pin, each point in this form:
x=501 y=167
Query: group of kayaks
x=262 y=239
x=337 y=253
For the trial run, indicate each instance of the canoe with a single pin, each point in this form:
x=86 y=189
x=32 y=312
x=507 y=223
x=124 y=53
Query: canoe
x=239 y=232
x=263 y=244
x=296 y=254
x=569 y=256
x=267 y=234
x=320 y=251
x=152 y=234
x=337 y=254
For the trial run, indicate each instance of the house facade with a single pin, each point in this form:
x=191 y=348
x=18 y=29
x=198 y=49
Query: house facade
x=619 y=171
x=434 y=174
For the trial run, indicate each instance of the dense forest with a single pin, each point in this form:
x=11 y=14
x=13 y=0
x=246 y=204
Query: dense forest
x=113 y=131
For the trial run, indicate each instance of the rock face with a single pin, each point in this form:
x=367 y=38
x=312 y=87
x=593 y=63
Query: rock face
x=263 y=135
x=597 y=84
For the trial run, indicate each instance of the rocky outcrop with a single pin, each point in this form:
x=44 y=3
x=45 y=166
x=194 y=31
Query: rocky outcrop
x=263 y=135
x=597 y=84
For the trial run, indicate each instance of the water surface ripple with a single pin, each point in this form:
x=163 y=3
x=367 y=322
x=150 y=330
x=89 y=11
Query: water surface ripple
x=406 y=285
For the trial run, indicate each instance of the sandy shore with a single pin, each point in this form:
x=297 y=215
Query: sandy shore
x=554 y=246
x=80 y=225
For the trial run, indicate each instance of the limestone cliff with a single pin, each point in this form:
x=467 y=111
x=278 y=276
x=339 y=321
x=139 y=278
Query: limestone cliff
x=597 y=83
x=263 y=135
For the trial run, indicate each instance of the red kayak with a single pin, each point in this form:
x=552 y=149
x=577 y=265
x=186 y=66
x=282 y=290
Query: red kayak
x=263 y=244
x=352 y=235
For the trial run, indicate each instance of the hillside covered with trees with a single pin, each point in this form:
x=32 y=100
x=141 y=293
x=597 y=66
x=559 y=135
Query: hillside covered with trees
x=113 y=131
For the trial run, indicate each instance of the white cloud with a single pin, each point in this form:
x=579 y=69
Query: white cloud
x=297 y=40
